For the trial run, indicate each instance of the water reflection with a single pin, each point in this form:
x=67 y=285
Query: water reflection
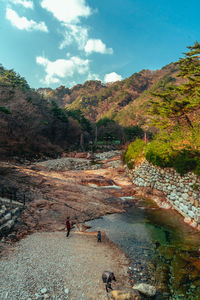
x=163 y=249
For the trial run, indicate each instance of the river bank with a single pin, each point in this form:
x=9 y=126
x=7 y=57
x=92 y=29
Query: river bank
x=79 y=188
x=88 y=189
x=75 y=187
x=50 y=266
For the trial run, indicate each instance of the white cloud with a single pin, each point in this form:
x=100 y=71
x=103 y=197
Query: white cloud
x=25 y=3
x=112 y=77
x=93 y=76
x=61 y=68
x=67 y=11
x=94 y=45
x=23 y=23
x=77 y=33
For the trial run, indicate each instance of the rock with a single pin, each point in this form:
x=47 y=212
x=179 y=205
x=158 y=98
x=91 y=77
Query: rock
x=187 y=220
x=124 y=294
x=145 y=288
x=43 y=291
x=13 y=237
x=191 y=214
x=193 y=224
x=81 y=155
x=7 y=217
x=82 y=227
x=37 y=295
x=66 y=291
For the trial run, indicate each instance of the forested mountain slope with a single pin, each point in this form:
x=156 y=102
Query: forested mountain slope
x=174 y=111
x=123 y=101
x=48 y=122
x=29 y=125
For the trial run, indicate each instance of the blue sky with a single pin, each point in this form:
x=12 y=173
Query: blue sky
x=66 y=42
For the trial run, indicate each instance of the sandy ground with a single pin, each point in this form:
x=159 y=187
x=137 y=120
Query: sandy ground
x=58 y=264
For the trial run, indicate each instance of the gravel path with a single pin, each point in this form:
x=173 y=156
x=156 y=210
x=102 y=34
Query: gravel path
x=50 y=266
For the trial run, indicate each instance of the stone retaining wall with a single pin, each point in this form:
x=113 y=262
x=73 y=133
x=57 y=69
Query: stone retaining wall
x=181 y=192
x=9 y=216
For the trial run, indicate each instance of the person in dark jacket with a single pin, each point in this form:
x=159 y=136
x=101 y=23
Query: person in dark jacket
x=107 y=278
x=99 y=236
x=68 y=226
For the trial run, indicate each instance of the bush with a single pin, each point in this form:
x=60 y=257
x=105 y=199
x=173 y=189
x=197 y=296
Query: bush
x=159 y=154
x=197 y=169
x=133 y=132
x=134 y=152
x=5 y=110
x=185 y=161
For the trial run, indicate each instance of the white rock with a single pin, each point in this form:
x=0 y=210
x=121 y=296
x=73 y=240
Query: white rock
x=185 y=196
x=191 y=214
x=43 y=291
x=145 y=288
x=66 y=291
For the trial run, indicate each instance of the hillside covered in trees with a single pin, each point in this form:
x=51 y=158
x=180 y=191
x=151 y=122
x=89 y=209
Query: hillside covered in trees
x=175 y=113
x=30 y=126
x=47 y=122
x=123 y=101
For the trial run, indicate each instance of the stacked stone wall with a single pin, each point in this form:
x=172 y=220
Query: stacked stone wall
x=9 y=215
x=181 y=192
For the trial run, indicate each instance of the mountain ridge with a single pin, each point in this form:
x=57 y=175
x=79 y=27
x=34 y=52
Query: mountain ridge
x=120 y=101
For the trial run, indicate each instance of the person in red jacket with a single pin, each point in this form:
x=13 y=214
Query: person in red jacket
x=68 y=226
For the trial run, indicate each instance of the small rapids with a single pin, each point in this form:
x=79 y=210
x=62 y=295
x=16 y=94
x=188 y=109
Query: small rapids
x=163 y=249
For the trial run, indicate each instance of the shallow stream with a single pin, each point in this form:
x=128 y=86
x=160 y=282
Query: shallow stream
x=163 y=249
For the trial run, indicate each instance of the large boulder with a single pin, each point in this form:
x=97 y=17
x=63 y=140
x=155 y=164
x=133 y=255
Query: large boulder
x=145 y=289
x=124 y=294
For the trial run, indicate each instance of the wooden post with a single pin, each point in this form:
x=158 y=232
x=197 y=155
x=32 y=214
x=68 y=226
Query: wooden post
x=145 y=137
x=96 y=133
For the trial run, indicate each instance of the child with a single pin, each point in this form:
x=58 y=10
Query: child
x=68 y=226
x=99 y=236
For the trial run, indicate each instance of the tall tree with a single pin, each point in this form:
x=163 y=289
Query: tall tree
x=176 y=102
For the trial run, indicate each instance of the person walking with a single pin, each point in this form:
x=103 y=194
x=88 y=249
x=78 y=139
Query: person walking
x=107 y=278
x=68 y=226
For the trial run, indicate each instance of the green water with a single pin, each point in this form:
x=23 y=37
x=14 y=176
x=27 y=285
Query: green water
x=163 y=249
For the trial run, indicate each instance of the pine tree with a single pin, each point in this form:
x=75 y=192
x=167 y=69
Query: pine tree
x=176 y=102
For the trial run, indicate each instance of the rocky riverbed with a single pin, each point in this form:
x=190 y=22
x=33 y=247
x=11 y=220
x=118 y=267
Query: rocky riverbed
x=43 y=264
x=81 y=188
x=86 y=188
